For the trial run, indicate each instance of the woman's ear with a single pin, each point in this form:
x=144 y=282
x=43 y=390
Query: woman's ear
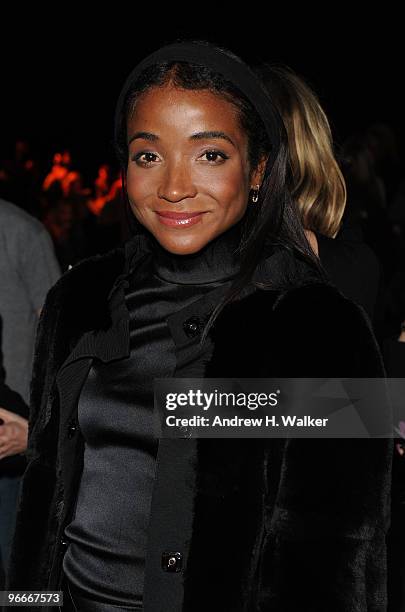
x=258 y=173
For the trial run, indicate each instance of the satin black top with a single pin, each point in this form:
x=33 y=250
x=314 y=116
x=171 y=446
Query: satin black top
x=105 y=559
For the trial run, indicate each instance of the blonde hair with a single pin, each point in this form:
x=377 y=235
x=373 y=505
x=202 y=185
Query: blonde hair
x=318 y=185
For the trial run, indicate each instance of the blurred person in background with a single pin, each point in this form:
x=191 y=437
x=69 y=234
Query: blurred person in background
x=28 y=269
x=381 y=141
x=14 y=414
x=319 y=188
x=367 y=200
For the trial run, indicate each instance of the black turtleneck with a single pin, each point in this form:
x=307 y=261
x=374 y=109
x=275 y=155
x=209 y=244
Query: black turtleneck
x=217 y=261
x=105 y=560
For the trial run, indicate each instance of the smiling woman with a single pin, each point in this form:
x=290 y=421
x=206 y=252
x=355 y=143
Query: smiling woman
x=218 y=280
x=203 y=181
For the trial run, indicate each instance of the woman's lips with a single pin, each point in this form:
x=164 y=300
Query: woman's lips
x=175 y=219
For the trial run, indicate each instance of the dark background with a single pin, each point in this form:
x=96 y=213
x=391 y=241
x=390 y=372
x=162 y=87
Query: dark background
x=62 y=71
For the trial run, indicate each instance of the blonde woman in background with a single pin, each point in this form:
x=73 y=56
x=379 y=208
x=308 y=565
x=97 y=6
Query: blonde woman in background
x=319 y=188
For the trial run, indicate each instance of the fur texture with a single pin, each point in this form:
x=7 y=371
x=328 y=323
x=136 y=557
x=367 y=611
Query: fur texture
x=268 y=525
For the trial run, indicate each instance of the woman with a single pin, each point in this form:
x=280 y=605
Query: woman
x=316 y=180
x=218 y=280
x=318 y=186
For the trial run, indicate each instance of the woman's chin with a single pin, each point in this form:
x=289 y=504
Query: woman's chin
x=181 y=244
x=182 y=249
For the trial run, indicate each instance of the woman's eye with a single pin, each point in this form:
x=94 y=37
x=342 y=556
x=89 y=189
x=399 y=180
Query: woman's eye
x=145 y=158
x=212 y=156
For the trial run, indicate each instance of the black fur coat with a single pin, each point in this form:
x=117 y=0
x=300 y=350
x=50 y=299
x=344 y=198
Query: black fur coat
x=258 y=525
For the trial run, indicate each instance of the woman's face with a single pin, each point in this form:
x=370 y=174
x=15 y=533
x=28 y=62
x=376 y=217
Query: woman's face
x=188 y=175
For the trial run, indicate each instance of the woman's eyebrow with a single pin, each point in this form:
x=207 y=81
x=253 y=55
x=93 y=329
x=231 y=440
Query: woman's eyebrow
x=144 y=135
x=197 y=136
x=212 y=134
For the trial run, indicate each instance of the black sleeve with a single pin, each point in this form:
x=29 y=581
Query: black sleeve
x=325 y=544
x=12 y=401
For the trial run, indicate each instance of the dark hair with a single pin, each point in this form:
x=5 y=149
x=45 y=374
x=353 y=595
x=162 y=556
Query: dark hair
x=274 y=221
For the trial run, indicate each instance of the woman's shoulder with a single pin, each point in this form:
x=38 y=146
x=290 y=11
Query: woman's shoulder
x=91 y=272
x=325 y=303
x=291 y=286
x=319 y=300
x=98 y=273
x=78 y=300
x=321 y=310
x=311 y=330
x=318 y=320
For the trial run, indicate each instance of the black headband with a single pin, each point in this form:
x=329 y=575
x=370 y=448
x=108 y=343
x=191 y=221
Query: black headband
x=232 y=68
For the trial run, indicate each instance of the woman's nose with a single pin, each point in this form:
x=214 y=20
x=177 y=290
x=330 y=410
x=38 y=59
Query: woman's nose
x=176 y=183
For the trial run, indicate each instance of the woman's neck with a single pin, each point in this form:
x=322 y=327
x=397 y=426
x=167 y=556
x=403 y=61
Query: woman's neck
x=218 y=260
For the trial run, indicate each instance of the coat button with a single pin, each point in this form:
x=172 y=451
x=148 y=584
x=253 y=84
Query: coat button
x=72 y=429
x=192 y=327
x=63 y=542
x=172 y=561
